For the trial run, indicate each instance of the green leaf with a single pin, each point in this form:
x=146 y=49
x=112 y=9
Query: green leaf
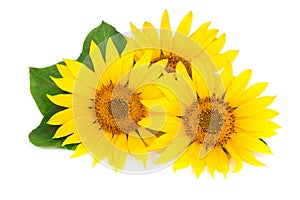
x=41 y=84
x=42 y=135
x=100 y=35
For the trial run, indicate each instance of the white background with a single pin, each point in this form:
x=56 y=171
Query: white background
x=41 y=33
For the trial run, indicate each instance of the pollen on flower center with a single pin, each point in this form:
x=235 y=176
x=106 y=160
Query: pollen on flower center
x=210 y=120
x=173 y=59
x=118 y=109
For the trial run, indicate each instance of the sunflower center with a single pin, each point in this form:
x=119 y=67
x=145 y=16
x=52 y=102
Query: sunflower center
x=118 y=109
x=209 y=121
x=173 y=59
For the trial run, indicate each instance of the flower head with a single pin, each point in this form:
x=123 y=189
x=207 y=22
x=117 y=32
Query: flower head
x=182 y=46
x=104 y=106
x=223 y=121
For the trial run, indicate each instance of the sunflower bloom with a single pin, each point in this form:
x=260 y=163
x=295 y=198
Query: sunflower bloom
x=104 y=106
x=222 y=122
x=181 y=45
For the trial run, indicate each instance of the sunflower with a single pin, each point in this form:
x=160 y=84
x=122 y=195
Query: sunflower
x=181 y=45
x=222 y=121
x=104 y=106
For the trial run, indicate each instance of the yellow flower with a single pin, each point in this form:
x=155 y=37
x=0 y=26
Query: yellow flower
x=223 y=121
x=104 y=106
x=181 y=45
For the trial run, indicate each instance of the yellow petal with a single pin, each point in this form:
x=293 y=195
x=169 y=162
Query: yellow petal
x=119 y=154
x=165 y=22
x=152 y=35
x=136 y=145
x=79 y=151
x=154 y=122
x=157 y=104
x=64 y=84
x=250 y=143
x=227 y=76
x=252 y=124
x=72 y=139
x=137 y=74
x=185 y=83
x=61 y=117
x=181 y=69
x=145 y=60
x=136 y=77
x=231 y=55
x=137 y=148
x=154 y=72
x=200 y=32
x=64 y=100
x=212 y=162
x=132 y=44
x=176 y=89
x=236 y=158
x=185 y=25
x=149 y=92
x=173 y=125
x=166 y=91
x=139 y=36
x=186 y=158
x=208 y=38
x=268 y=132
x=81 y=72
x=200 y=84
x=64 y=71
x=105 y=78
x=174 y=149
x=65 y=129
x=251 y=93
x=115 y=71
x=238 y=86
x=161 y=142
x=98 y=146
x=97 y=59
x=266 y=114
x=73 y=66
x=273 y=125
x=219 y=60
x=223 y=161
x=122 y=142
x=165 y=32
x=198 y=166
x=81 y=101
x=252 y=107
x=85 y=121
x=90 y=136
x=246 y=155
x=148 y=29
x=95 y=162
x=109 y=152
x=111 y=52
x=127 y=60
x=216 y=46
x=83 y=90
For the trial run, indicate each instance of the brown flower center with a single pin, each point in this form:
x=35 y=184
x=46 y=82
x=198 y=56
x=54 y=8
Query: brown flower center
x=209 y=121
x=118 y=109
x=173 y=59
